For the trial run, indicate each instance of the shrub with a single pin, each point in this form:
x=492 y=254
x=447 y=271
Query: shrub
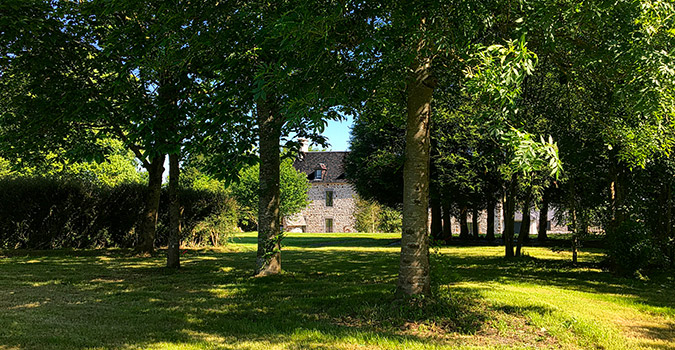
x=209 y=217
x=631 y=247
x=391 y=220
x=53 y=212
x=120 y=211
x=367 y=215
x=293 y=191
x=40 y=213
x=374 y=217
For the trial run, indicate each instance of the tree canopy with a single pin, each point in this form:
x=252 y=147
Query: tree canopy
x=458 y=106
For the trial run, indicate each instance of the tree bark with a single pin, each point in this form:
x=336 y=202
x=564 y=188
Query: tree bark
x=575 y=225
x=436 y=219
x=268 y=261
x=665 y=221
x=168 y=94
x=669 y=225
x=524 y=228
x=173 y=251
x=490 y=230
x=463 y=224
x=509 y=217
x=474 y=221
x=447 y=224
x=413 y=276
x=146 y=242
x=543 y=220
x=617 y=197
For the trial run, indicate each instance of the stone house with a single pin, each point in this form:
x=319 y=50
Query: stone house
x=332 y=198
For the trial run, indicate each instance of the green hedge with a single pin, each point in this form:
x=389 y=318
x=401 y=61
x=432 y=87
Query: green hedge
x=49 y=213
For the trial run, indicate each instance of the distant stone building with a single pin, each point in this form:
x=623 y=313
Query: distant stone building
x=332 y=199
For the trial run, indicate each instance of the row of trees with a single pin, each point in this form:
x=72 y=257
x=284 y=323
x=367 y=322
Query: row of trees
x=213 y=79
x=596 y=91
x=164 y=79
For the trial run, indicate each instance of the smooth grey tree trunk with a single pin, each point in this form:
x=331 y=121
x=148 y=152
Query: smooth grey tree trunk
x=148 y=226
x=670 y=248
x=524 y=228
x=490 y=230
x=173 y=251
x=436 y=219
x=475 y=225
x=509 y=217
x=413 y=276
x=575 y=241
x=268 y=260
x=617 y=197
x=447 y=224
x=543 y=220
x=463 y=224
x=169 y=112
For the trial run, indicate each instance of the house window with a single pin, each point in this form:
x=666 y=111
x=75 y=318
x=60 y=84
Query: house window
x=329 y=225
x=329 y=198
x=317 y=175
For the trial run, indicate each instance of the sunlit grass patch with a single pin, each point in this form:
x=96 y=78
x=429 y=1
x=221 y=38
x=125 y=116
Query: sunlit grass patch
x=336 y=292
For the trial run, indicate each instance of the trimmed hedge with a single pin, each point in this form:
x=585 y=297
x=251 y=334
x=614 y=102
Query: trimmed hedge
x=50 y=213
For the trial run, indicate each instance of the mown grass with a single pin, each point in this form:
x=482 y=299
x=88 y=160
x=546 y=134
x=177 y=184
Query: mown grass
x=336 y=293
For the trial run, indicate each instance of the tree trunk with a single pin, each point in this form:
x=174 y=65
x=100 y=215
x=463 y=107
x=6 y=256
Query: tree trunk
x=524 y=228
x=665 y=223
x=509 y=217
x=463 y=224
x=268 y=261
x=413 y=276
x=543 y=220
x=373 y=216
x=168 y=112
x=436 y=219
x=575 y=225
x=617 y=197
x=669 y=227
x=474 y=221
x=447 y=224
x=146 y=242
x=490 y=230
x=173 y=251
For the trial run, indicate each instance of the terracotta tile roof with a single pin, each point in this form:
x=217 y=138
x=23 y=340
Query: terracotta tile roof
x=331 y=162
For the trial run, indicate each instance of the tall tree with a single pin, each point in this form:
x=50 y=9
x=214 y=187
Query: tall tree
x=299 y=73
x=138 y=70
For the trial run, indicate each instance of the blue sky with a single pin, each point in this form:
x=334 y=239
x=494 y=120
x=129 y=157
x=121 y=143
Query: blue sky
x=338 y=134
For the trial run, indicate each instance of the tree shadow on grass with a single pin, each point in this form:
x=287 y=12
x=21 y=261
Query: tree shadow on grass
x=585 y=277
x=77 y=301
x=310 y=240
x=655 y=336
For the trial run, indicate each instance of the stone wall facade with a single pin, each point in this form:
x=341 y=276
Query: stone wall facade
x=317 y=212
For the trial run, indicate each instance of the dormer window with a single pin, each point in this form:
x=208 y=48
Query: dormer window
x=319 y=172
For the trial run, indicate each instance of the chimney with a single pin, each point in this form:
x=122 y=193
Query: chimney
x=304 y=145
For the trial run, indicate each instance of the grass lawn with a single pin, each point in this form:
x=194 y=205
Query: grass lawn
x=336 y=293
